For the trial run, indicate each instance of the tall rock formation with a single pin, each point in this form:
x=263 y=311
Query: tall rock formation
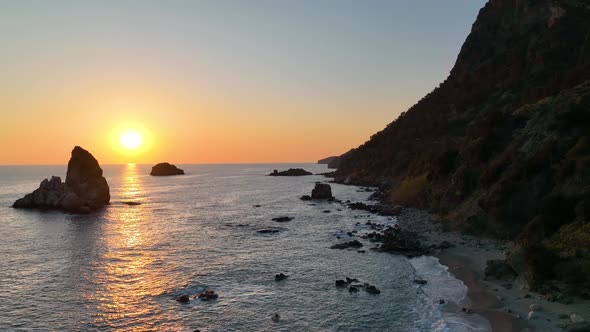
x=85 y=188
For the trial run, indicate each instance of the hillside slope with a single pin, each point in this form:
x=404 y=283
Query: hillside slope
x=502 y=146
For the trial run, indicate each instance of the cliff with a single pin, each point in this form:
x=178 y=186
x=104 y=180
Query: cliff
x=501 y=147
x=332 y=162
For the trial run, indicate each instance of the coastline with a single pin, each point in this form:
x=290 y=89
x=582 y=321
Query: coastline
x=501 y=302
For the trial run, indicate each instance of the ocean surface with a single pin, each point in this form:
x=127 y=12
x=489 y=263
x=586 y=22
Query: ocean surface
x=121 y=269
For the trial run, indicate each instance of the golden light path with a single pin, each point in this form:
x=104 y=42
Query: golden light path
x=132 y=274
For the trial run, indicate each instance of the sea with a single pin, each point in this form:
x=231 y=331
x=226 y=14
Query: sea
x=123 y=267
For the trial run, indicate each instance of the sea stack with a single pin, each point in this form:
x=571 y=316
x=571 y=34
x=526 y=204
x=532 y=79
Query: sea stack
x=85 y=189
x=165 y=169
x=322 y=191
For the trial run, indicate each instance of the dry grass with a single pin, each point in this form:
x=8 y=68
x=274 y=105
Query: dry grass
x=410 y=189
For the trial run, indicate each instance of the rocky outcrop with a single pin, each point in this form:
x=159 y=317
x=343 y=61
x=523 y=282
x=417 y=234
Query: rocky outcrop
x=322 y=191
x=332 y=162
x=165 y=169
x=291 y=172
x=84 y=190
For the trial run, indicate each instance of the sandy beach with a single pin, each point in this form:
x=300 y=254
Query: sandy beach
x=502 y=302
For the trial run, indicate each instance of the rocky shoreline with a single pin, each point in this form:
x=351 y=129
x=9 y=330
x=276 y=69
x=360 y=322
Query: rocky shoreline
x=498 y=298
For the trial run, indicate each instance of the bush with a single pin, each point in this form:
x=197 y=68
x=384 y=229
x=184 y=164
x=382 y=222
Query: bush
x=410 y=190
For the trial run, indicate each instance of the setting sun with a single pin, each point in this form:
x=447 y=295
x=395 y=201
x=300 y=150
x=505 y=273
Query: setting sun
x=130 y=140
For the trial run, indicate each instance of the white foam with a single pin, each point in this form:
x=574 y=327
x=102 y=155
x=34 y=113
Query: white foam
x=441 y=284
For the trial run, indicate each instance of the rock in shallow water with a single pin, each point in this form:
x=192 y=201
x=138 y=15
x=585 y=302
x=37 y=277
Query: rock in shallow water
x=207 y=295
x=282 y=219
x=321 y=191
x=281 y=276
x=345 y=245
x=291 y=172
x=165 y=169
x=84 y=190
x=183 y=298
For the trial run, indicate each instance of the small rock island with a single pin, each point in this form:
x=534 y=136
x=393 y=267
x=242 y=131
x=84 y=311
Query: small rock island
x=166 y=169
x=85 y=189
x=322 y=191
x=291 y=172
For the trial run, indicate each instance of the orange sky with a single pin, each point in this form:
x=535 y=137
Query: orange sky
x=206 y=82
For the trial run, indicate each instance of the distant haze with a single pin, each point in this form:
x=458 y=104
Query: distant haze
x=216 y=81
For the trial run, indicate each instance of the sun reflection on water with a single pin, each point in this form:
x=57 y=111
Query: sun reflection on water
x=131 y=273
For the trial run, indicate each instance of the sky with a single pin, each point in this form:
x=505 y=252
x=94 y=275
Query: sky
x=216 y=81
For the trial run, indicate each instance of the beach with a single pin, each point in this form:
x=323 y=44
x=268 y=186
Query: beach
x=502 y=302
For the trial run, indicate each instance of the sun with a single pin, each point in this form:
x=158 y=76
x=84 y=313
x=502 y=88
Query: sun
x=130 y=140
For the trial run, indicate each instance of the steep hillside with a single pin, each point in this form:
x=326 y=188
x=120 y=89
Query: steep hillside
x=502 y=146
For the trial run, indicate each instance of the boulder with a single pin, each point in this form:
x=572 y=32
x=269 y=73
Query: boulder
x=321 y=191
x=291 y=172
x=84 y=190
x=305 y=198
x=165 y=169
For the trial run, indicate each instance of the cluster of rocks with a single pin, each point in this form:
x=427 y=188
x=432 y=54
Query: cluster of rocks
x=397 y=241
x=205 y=295
x=84 y=190
x=354 y=288
x=346 y=245
x=166 y=169
x=380 y=209
x=291 y=172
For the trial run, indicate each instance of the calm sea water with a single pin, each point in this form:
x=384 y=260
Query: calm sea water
x=122 y=268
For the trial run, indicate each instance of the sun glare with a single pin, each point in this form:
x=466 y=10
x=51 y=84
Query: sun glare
x=130 y=140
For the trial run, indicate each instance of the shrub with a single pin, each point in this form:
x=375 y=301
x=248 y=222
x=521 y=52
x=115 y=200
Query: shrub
x=410 y=189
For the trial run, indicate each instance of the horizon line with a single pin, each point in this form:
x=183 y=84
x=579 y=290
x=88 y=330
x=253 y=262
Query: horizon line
x=189 y=163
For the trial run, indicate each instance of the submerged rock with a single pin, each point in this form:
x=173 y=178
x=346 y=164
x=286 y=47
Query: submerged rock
x=345 y=245
x=268 y=231
x=291 y=172
x=282 y=219
x=84 y=190
x=131 y=203
x=322 y=191
x=281 y=276
x=165 y=169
